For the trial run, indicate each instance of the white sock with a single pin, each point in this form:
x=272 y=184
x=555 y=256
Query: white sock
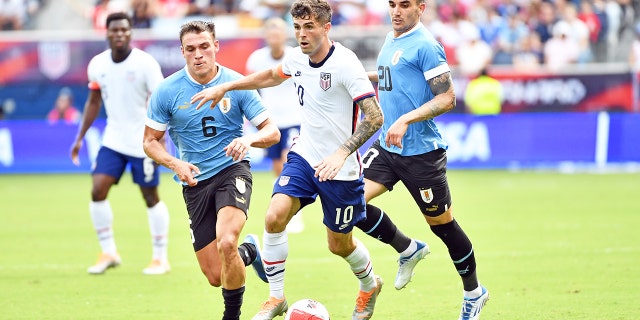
x=413 y=246
x=275 y=249
x=102 y=218
x=360 y=263
x=474 y=293
x=159 y=227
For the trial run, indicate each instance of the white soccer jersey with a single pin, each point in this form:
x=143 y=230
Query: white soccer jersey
x=125 y=87
x=281 y=100
x=327 y=92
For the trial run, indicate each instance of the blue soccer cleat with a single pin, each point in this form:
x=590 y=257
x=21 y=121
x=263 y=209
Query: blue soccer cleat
x=257 y=263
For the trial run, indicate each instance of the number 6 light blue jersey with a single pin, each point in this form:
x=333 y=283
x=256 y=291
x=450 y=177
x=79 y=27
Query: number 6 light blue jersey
x=405 y=64
x=201 y=135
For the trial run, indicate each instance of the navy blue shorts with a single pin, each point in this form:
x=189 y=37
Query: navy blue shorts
x=286 y=140
x=342 y=202
x=144 y=171
x=424 y=175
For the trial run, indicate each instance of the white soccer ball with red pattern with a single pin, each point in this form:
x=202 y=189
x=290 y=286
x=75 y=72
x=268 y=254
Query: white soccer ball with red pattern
x=307 y=309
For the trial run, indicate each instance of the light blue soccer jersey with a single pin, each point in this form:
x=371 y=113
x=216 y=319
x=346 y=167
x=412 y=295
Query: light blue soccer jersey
x=404 y=66
x=201 y=135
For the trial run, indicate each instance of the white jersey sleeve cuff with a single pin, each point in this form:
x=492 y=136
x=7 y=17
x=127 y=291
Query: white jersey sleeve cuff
x=155 y=125
x=430 y=74
x=257 y=120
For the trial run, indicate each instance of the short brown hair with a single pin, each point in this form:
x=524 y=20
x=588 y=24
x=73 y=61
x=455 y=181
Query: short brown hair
x=318 y=10
x=198 y=26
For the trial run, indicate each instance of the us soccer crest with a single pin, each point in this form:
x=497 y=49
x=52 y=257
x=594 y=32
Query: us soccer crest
x=284 y=180
x=225 y=105
x=54 y=58
x=325 y=81
x=426 y=194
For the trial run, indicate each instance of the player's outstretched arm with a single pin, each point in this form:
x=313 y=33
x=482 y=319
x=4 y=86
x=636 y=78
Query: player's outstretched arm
x=257 y=80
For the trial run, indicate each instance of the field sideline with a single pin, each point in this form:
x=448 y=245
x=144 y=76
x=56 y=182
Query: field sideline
x=549 y=246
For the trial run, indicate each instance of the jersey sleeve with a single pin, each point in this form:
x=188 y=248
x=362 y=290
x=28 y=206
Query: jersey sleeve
x=433 y=61
x=153 y=73
x=355 y=78
x=159 y=110
x=252 y=107
x=92 y=74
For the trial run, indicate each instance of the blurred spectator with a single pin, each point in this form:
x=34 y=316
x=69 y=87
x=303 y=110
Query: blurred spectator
x=103 y=8
x=590 y=19
x=63 y=110
x=561 y=50
x=490 y=29
x=546 y=18
x=266 y=9
x=600 y=47
x=634 y=54
x=143 y=12
x=509 y=38
x=354 y=11
x=529 y=56
x=483 y=95
x=473 y=54
x=452 y=28
x=173 y=8
x=578 y=30
x=201 y=8
x=13 y=14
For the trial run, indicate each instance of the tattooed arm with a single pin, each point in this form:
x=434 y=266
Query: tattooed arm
x=329 y=167
x=371 y=122
x=444 y=101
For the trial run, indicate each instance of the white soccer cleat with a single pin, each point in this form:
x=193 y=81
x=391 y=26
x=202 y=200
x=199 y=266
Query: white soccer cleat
x=105 y=261
x=471 y=307
x=157 y=267
x=407 y=264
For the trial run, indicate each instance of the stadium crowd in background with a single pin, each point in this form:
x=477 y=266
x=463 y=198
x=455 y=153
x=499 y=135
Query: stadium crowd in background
x=511 y=28
x=517 y=31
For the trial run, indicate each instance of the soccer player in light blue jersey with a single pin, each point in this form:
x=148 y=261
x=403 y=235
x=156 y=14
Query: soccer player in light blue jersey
x=414 y=87
x=332 y=88
x=213 y=165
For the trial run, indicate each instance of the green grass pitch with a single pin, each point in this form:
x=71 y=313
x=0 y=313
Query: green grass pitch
x=548 y=246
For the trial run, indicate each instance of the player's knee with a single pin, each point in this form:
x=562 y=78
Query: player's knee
x=227 y=247
x=340 y=249
x=99 y=194
x=213 y=278
x=275 y=223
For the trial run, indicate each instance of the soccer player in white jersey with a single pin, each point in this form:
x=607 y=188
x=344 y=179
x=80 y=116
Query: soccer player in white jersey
x=122 y=77
x=332 y=88
x=281 y=100
x=213 y=166
x=414 y=87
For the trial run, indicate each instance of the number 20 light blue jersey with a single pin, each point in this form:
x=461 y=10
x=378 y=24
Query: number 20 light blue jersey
x=201 y=135
x=405 y=64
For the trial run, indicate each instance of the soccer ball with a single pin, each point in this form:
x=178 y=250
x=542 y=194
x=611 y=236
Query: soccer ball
x=307 y=309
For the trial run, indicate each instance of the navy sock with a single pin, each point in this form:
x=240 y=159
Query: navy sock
x=460 y=251
x=232 y=303
x=378 y=225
